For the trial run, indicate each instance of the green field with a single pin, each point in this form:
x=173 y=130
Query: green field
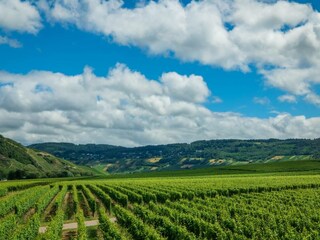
x=269 y=203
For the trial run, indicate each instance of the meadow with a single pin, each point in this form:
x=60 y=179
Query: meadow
x=256 y=206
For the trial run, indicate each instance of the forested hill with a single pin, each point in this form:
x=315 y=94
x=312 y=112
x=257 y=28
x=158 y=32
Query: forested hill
x=182 y=156
x=17 y=161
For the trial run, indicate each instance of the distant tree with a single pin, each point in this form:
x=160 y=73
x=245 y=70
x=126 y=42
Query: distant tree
x=17 y=174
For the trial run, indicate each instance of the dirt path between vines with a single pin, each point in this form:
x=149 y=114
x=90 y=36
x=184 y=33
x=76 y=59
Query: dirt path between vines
x=74 y=225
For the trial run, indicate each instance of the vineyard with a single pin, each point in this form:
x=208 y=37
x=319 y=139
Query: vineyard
x=226 y=207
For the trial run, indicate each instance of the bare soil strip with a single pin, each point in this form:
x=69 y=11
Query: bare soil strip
x=74 y=225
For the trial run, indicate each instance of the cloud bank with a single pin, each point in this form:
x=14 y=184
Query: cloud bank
x=281 y=39
x=21 y=16
x=126 y=108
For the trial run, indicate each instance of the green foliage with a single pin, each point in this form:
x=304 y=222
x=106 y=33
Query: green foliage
x=119 y=197
x=132 y=196
x=261 y=206
x=195 y=225
x=60 y=196
x=82 y=231
x=25 y=185
x=136 y=227
x=163 y=224
x=6 y=225
x=29 y=231
x=54 y=229
x=45 y=199
x=108 y=229
x=27 y=201
x=8 y=203
x=23 y=204
x=75 y=198
x=105 y=198
x=146 y=195
x=3 y=192
x=89 y=196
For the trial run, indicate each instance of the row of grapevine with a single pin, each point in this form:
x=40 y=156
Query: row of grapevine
x=188 y=207
x=28 y=201
x=135 y=226
x=163 y=224
x=196 y=225
x=185 y=193
x=3 y=192
x=199 y=208
x=211 y=187
x=82 y=231
x=173 y=195
x=160 y=195
x=28 y=231
x=147 y=196
x=133 y=197
x=9 y=187
x=90 y=198
x=6 y=225
x=117 y=196
x=75 y=198
x=8 y=203
x=108 y=229
x=54 y=229
x=287 y=214
x=44 y=200
x=104 y=198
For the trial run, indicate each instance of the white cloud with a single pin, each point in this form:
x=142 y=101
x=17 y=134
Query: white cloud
x=126 y=108
x=280 y=38
x=193 y=33
x=186 y=88
x=21 y=16
x=11 y=42
x=313 y=98
x=287 y=98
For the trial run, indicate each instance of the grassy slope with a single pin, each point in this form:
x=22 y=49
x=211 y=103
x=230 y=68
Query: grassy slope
x=34 y=164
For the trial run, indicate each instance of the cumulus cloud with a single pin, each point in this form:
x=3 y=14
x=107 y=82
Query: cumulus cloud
x=126 y=108
x=11 y=42
x=188 y=88
x=21 y=16
x=280 y=38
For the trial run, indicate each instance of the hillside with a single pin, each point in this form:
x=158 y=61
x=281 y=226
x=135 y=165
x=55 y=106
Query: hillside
x=18 y=162
x=115 y=159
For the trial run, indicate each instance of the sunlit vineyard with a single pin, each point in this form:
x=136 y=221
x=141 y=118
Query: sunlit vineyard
x=229 y=207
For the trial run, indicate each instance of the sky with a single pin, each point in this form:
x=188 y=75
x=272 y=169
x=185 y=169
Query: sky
x=134 y=73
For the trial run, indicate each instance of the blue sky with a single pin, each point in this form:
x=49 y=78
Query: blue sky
x=246 y=88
